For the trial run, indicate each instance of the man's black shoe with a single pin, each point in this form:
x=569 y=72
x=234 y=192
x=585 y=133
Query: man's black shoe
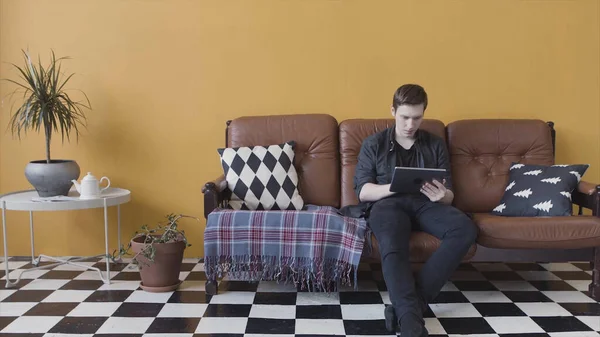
x=412 y=326
x=391 y=321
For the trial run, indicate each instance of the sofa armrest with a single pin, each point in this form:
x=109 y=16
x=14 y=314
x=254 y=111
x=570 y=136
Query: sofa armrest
x=587 y=195
x=215 y=194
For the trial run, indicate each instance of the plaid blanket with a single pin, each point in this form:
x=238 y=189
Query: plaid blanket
x=314 y=247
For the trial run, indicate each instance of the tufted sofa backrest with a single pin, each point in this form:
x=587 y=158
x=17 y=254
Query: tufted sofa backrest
x=352 y=133
x=316 y=152
x=482 y=150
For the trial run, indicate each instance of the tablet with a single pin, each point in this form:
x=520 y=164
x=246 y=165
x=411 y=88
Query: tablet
x=410 y=179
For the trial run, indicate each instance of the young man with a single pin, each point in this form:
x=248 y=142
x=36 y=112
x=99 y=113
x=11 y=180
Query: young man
x=393 y=215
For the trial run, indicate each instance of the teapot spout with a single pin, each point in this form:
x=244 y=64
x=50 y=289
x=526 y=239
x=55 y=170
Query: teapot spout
x=77 y=185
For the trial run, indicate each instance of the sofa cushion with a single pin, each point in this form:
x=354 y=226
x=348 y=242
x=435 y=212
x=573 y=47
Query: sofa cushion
x=317 y=153
x=481 y=152
x=540 y=190
x=560 y=232
x=421 y=246
x=352 y=134
x=262 y=177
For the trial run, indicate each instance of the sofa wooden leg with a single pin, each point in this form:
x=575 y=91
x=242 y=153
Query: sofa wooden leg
x=595 y=285
x=211 y=287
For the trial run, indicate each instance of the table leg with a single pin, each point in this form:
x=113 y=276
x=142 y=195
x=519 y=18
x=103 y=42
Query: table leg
x=33 y=261
x=119 y=230
x=8 y=284
x=106 y=242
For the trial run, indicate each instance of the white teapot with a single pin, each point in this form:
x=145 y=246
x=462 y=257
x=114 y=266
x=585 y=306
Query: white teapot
x=90 y=186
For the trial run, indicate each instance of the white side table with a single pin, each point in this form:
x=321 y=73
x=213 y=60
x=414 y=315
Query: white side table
x=28 y=201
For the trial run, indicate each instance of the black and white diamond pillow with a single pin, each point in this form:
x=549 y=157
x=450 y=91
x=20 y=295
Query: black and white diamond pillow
x=262 y=177
x=540 y=190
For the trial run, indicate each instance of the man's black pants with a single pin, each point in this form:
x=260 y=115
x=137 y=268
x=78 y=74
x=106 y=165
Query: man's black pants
x=392 y=220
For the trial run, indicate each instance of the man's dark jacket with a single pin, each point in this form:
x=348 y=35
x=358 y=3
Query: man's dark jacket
x=377 y=159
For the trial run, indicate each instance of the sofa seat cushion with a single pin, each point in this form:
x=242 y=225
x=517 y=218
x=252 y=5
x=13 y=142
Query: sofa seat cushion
x=562 y=232
x=422 y=245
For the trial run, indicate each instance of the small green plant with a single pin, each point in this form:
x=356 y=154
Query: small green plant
x=163 y=233
x=46 y=104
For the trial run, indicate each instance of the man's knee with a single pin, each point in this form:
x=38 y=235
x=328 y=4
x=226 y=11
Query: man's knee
x=392 y=235
x=388 y=212
x=459 y=225
x=465 y=229
x=391 y=226
x=469 y=230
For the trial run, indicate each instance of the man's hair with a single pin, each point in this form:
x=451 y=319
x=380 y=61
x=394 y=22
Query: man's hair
x=410 y=94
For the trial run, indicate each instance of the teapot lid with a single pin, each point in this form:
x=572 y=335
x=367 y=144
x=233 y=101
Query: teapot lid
x=89 y=176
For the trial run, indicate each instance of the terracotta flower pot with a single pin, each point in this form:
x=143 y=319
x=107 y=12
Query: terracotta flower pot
x=162 y=275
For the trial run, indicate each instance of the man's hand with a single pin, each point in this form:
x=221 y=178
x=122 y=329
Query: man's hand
x=435 y=191
x=375 y=192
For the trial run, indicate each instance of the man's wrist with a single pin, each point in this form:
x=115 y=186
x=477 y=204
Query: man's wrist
x=448 y=197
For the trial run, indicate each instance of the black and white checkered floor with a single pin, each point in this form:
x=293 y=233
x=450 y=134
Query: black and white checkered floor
x=482 y=299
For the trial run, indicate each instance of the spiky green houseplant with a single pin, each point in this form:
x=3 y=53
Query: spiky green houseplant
x=47 y=106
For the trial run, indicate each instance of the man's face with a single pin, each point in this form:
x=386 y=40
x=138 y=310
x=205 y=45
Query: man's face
x=408 y=119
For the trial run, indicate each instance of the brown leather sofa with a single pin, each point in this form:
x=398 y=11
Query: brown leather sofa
x=481 y=151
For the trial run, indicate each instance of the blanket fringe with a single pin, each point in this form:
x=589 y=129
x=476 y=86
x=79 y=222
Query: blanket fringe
x=368 y=244
x=313 y=274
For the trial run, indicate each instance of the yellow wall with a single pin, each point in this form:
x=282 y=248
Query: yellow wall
x=164 y=76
